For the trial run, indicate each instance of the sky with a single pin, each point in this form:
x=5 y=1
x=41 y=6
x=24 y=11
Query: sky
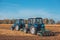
x=12 y=9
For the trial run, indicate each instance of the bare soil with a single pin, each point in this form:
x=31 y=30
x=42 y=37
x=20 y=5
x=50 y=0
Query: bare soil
x=7 y=34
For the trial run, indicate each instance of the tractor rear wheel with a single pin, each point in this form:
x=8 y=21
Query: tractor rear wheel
x=17 y=28
x=33 y=30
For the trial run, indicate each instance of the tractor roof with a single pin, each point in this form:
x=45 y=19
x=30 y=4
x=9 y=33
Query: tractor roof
x=36 y=18
x=19 y=19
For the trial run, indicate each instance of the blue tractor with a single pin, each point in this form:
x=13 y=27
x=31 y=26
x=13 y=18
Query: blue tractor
x=36 y=26
x=19 y=24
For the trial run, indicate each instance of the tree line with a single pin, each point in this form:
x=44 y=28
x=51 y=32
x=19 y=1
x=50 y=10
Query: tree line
x=46 y=21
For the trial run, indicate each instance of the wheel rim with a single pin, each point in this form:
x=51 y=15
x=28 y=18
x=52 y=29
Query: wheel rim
x=32 y=30
x=17 y=27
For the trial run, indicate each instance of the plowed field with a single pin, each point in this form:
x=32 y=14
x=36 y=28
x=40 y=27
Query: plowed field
x=7 y=34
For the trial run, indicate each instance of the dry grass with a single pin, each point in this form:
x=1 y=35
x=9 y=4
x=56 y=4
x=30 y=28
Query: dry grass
x=7 y=34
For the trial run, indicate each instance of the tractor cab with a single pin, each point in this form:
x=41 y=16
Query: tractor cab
x=19 y=21
x=36 y=22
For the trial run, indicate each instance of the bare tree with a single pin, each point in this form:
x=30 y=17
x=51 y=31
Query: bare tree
x=46 y=20
x=51 y=21
x=58 y=22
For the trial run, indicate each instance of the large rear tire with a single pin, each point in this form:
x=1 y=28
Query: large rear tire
x=17 y=28
x=33 y=30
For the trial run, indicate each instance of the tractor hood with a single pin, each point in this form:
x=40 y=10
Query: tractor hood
x=39 y=25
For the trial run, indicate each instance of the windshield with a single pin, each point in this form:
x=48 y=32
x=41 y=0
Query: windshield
x=39 y=21
x=19 y=21
x=36 y=20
